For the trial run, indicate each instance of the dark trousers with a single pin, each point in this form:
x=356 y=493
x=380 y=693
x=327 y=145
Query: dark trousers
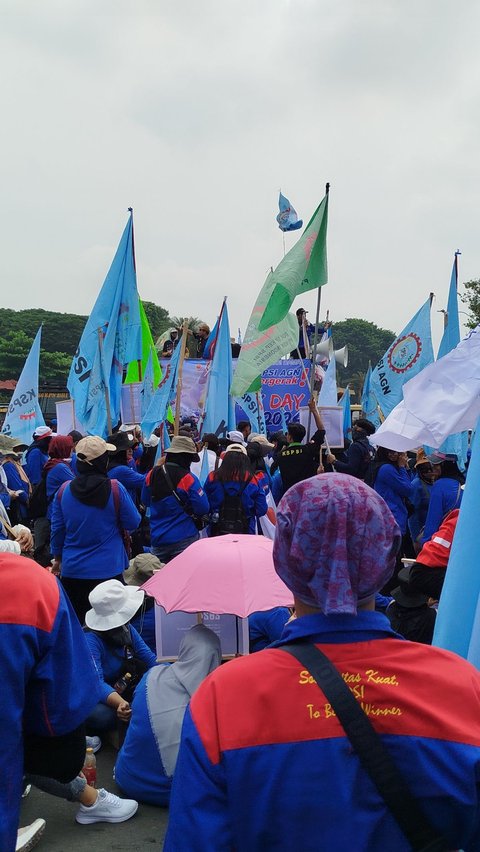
x=79 y=590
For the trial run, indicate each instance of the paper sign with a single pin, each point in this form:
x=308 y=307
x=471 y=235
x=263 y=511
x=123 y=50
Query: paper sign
x=332 y=417
x=171 y=627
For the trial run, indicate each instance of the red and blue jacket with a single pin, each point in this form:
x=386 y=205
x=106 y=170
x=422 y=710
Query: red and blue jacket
x=49 y=685
x=264 y=763
x=169 y=522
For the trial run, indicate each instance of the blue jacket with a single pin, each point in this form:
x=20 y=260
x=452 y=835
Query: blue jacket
x=446 y=494
x=169 y=522
x=394 y=485
x=108 y=659
x=139 y=770
x=34 y=463
x=266 y=627
x=420 y=499
x=56 y=476
x=130 y=479
x=264 y=762
x=16 y=483
x=48 y=681
x=254 y=501
x=88 y=539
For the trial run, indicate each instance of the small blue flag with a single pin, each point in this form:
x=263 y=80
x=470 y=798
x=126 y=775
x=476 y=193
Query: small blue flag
x=369 y=400
x=219 y=406
x=163 y=396
x=344 y=401
x=24 y=414
x=205 y=467
x=287 y=218
x=328 y=392
x=209 y=349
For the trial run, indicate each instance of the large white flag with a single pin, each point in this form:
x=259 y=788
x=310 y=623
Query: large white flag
x=441 y=400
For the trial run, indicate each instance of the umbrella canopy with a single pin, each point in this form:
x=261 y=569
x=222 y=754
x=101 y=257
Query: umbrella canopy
x=225 y=574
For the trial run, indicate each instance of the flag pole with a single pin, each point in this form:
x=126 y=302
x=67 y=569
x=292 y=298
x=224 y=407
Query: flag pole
x=315 y=341
x=183 y=346
x=106 y=389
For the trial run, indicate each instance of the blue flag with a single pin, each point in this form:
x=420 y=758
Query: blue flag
x=287 y=218
x=408 y=354
x=163 y=397
x=147 y=386
x=458 y=443
x=209 y=349
x=369 y=400
x=24 y=414
x=219 y=409
x=111 y=339
x=205 y=467
x=328 y=392
x=344 y=401
x=458 y=621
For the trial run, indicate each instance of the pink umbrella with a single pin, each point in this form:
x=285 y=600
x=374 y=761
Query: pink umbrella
x=226 y=574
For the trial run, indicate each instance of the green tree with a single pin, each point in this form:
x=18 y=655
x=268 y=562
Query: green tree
x=366 y=342
x=158 y=318
x=14 y=348
x=471 y=298
x=193 y=322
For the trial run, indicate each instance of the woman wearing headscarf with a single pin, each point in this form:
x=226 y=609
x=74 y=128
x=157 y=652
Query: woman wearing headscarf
x=263 y=755
x=235 y=495
x=19 y=488
x=146 y=762
x=118 y=464
x=392 y=481
x=446 y=493
x=89 y=516
x=57 y=470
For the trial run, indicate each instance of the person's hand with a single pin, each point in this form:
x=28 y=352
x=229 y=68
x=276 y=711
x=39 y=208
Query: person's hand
x=402 y=460
x=312 y=404
x=330 y=458
x=124 y=711
x=25 y=540
x=56 y=565
x=320 y=468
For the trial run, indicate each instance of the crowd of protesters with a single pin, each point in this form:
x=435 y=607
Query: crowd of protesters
x=354 y=532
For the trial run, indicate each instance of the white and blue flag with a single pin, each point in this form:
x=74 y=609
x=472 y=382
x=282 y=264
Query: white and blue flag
x=24 y=414
x=287 y=218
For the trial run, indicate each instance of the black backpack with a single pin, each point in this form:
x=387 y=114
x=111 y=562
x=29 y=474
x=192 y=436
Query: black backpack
x=38 y=503
x=232 y=518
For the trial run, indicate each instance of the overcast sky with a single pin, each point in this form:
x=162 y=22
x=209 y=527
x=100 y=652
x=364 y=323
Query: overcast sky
x=196 y=112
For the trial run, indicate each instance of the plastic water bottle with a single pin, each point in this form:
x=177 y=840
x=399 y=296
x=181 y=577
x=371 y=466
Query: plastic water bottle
x=90 y=768
x=122 y=683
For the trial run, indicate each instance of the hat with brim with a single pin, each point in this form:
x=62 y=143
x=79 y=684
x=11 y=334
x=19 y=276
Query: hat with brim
x=9 y=446
x=113 y=605
x=141 y=568
x=263 y=442
x=92 y=447
x=121 y=441
x=236 y=436
x=183 y=444
x=236 y=448
x=408 y=599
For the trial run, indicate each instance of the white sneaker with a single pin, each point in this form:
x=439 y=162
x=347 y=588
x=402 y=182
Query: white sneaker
x=107 y=808
x=94 y=742
x=29 y=836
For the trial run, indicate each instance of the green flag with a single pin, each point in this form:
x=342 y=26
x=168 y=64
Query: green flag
x=133 y=371
x=303 y=268
x=260 y=350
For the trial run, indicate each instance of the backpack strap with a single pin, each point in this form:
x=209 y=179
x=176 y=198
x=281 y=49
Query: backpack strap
x=369 y=748
x=61 y=490
x=116 y=498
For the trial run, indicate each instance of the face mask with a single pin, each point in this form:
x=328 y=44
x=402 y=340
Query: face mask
x=358 y=434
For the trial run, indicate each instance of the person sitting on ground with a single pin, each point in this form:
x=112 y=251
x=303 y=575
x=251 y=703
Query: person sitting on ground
x=89 y=516
x=359 y=454
x=411 y=613
x=266 y=626
x=235 y=495
x=146 y=762
x=446 y=493
x=176 y=498
x=141 y=568
x=116 y=649
x=263 y=755
x=299 y=461
x=36 y=455
x=426 y=474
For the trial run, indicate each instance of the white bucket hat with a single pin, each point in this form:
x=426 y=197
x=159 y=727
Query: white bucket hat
x=113 y=604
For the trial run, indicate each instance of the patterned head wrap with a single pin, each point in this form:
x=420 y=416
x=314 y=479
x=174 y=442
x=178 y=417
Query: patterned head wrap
x=336 y=542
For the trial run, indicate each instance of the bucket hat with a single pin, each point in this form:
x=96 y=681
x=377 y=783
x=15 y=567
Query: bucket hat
x=113 y=604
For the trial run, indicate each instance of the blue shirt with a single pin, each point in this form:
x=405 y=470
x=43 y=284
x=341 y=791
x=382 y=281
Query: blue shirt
x=16 y=483
x=88 y=539
x=139 y=770
x=56 y=476
x=108 y=659
x=130 y=479
x=446 y=494
x=34 y=463
x=254 y=502
x=394 y=485
x=266 y=627
x=169 y=523
x=420 y=499
x=48 y=681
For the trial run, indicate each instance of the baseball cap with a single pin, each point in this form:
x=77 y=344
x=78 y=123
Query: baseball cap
x=92 y=447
